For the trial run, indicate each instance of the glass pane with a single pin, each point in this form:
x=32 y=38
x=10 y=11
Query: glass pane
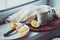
x=11 y=3
x=2 y=4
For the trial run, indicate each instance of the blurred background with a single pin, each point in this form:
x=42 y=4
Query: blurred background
x=5 y=4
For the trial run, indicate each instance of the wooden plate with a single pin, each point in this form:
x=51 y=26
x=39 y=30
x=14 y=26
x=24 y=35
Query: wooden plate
x=51 y=25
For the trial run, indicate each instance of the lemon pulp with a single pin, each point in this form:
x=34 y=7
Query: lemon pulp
x=35 y=23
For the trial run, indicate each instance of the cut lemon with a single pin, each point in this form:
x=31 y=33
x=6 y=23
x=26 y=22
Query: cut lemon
x=13 y=25
x=35 y=23
x=22 y=29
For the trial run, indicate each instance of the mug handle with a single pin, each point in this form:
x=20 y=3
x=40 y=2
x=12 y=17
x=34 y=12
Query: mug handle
x=51 y=12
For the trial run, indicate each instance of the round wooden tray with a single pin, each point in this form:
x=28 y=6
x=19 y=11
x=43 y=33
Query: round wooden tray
x=51 y=25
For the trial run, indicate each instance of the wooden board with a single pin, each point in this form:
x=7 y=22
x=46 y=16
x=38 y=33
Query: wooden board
x=51 y=25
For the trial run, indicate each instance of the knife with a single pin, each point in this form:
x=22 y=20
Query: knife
x=12 y=30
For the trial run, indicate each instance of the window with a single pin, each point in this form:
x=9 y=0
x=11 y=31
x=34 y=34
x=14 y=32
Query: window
x=2 y=4
x=11 y=3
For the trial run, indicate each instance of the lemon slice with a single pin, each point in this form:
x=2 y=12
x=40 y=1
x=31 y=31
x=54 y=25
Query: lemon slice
x=23 y=30
x=13 y=25
x=35 y=23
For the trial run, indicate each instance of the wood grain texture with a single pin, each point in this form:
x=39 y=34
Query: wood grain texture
x=51 y=25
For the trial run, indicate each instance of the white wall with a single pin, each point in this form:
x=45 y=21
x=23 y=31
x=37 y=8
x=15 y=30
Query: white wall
x=55 y=3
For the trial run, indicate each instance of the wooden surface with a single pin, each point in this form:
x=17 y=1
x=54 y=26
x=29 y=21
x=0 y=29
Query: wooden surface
x=51 y=25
